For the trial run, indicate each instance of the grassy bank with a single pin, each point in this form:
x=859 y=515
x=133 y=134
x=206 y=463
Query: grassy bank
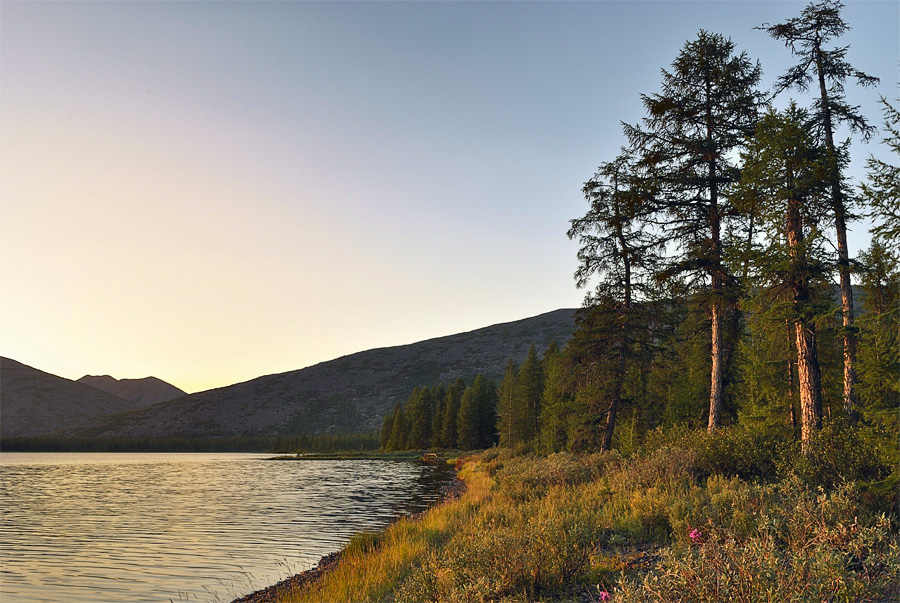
x=663 y=525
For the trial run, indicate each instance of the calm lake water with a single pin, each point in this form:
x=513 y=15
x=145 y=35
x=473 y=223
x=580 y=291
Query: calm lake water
x=185 y=527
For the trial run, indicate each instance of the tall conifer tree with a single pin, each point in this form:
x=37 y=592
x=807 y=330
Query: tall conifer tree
x=486 y=400
x=418 y=416
x=879 y=352
x=399 y=430
x=387 y=426
x=529 y=389
x=617 y=245
x=508 y=419
x=807 y=37
x=707 y=108
x=468 y=420
x=784 y=176
x=554 y=404
x=439 y=395
x=450 y=434
x=882 y=190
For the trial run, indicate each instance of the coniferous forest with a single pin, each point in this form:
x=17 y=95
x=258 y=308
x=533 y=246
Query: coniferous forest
x=715 y=258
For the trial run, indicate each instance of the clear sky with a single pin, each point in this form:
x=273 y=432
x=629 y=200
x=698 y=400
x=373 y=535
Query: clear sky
x=207 y=192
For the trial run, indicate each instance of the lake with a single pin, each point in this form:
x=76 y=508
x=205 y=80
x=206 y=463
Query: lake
x=129 y=527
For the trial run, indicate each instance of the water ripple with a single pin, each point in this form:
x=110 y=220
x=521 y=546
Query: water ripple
x=205 y=527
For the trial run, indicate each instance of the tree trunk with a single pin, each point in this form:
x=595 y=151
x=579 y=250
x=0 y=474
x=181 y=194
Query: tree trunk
x=847 y=312
x=716 y=385
x=611 y=420
x=624 y=318
x=840 y=226
x=790 y=379
x=807 y=353
x=810 y=381
x=616 y=397
x=717 y=351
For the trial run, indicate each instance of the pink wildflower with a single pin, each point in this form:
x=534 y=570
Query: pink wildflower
x=604 y=596
x=695 y=535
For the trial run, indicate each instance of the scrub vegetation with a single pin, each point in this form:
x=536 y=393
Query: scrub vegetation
x=666 y=524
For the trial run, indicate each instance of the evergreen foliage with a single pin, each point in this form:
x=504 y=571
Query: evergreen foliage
x=879 y=333
x=443 y=417
x=882 y=191
x=529 y=390
x=708 y=108
x=807 y=37
x=785 y=188
x=449 y=430
x=508 y=421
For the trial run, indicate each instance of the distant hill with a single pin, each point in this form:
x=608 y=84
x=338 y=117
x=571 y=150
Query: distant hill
x=137 y=392
x=347 y=394
x=33 y=402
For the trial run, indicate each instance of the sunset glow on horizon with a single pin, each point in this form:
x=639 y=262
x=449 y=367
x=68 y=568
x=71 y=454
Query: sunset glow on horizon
x=210 y=192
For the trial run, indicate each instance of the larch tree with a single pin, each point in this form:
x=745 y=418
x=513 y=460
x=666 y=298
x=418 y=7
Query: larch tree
x=418 y=416
x=619 y=248
x=529 y=389
x=554 y=404
x=399 y=429
x=879 y=329
x=485 y=392
x=449 y=433
x=468 y=420
x=882 y=190
x=706 y=110
x=439 y=396
x=807 y=36
x=784 y=179
x=387 y=426
x=508 y=419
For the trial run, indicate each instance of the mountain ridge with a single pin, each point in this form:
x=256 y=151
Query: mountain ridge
x=349 y=393
x=35 y=402
x=137 y=392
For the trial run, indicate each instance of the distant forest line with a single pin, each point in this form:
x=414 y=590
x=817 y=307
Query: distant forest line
x=268 y=444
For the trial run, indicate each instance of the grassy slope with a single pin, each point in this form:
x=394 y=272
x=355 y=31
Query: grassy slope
x=567 y=527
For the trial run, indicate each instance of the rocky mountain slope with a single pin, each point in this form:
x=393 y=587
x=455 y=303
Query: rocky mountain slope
x=33 y=402
x=137 y=392
x=347 y=394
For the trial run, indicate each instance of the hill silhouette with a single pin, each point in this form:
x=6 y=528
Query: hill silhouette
x=351 y=393
x=33 y=402
x=137 y=392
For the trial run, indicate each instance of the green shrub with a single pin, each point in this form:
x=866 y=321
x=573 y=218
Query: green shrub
x=838 y=454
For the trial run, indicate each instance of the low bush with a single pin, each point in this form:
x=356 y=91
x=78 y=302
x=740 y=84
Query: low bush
x=808 y=546
x=835 y=455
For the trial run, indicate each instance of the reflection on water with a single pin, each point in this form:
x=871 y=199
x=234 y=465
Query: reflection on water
x=204 y=527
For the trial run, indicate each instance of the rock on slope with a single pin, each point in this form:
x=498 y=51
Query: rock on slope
x=33 y=402
x=137 y=392
x=347 y=394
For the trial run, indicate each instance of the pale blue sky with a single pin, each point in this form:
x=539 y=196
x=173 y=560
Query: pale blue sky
x=210 y=191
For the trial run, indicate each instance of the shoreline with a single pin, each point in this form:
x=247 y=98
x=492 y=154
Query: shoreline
x=303 y=580
x=411 y=455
